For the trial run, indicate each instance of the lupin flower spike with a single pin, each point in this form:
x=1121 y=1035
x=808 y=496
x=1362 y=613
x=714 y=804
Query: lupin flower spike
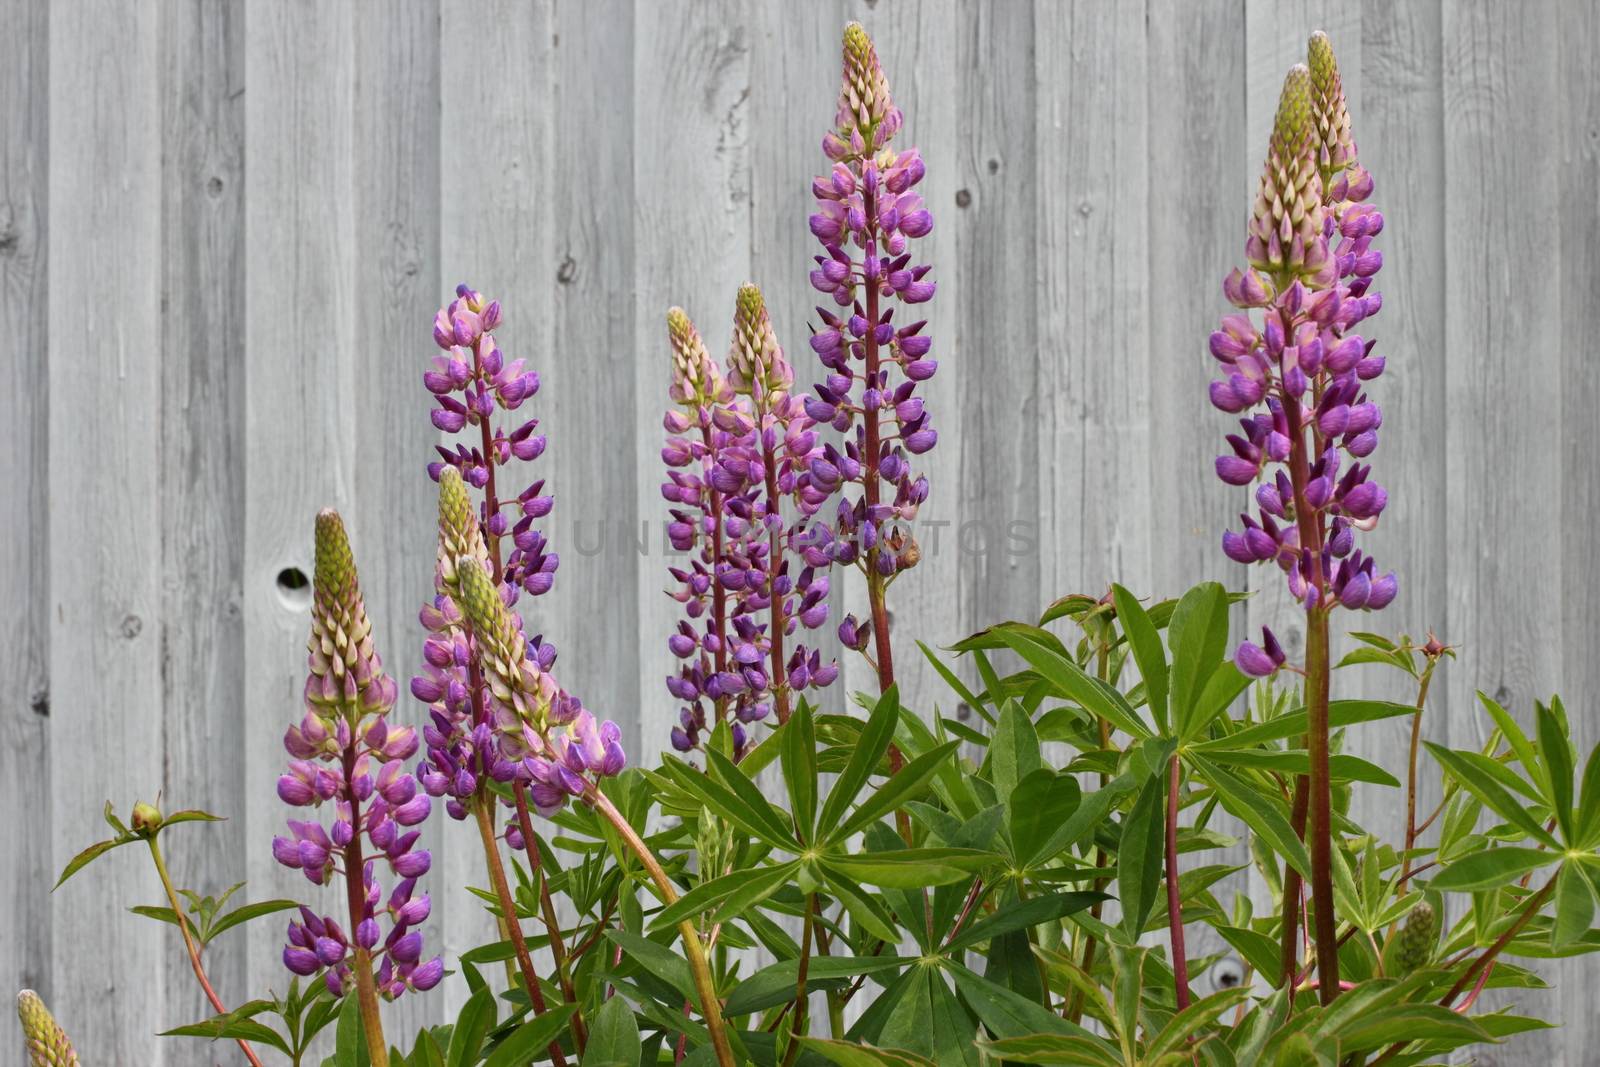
x=345 y=753
x=868 y=213
x=47 y=1043
x=1303 y=363
x=471 y=382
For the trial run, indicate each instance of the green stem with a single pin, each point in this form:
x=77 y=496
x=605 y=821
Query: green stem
x=508 y=908
x=699 y=969
x=189 y=944
x=1075 y=999
x=547 y=908
x=1180 y=957
x=1411 y=782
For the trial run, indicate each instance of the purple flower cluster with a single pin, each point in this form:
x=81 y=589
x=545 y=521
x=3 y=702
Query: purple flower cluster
x=344 y=752
x=739 y=447
x=867 y=213
x=1300 y=359
x=469 y=382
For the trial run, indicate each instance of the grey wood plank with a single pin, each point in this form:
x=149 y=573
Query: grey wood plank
x=691 y=178
x=1578 y=208
x=1195 y=215
x=1094 y=305
x=1203 y=157
x=589 y=370
x=302 y=399
x=1502 y=340
x=25 y=927
x=396 y=237
x=202 y=481
x=104 y=552
x=495 y=148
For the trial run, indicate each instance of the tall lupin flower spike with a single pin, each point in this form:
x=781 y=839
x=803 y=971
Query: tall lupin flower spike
x=867 y=213
x=470 y=382
x=345 y=752
x=47 y=1043
x=1302 y=361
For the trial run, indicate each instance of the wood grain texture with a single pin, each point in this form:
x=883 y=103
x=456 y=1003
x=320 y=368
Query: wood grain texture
x=302 y=402
x=202 y=478
x=105 y=525
x=24 y=497
x=249 y=276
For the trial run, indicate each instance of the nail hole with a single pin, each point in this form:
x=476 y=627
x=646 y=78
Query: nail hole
x=214 y=186
x=294 y=589
x=1227 y=973
x=994 y=166
x=132 y=626
x=963 y=198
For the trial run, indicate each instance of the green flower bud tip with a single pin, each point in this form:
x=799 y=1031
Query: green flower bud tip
x=755 y=361
x=1286 y=235
x=1335 y=149
x=147 y=818
x=459 y=534
x=696 y=379
x=47 y=1043
x=346 y=673
x=1416 y=939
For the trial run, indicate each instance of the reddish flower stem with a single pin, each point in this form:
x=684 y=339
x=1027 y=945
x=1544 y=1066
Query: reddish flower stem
x=780 y=677
x=356 y=901
x=719 y=595
x=547 y=908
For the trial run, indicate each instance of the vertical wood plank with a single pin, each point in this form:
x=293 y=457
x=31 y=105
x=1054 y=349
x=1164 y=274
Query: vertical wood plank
x=1093 y=301
x=1197 y=127
x=104 y=359
x=202 y=481
x=24 y=546
x=396 y=238
x=691 y=179
x=1578 y=141
x=1503 y=333
x=494 y=144
x=589 y=369
x=302 y=406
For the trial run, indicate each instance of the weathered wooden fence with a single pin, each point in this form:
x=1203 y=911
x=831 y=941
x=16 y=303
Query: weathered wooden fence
x=224 y=228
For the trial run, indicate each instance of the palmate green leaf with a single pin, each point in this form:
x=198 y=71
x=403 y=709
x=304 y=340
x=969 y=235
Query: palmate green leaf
x=955 y=1033
x=725 y=803
x=875 y=738
x=741 y=888
x=159 y=913
x=1408 y=1022
x=1198 y=634
x=755 y=803
x=863 y=907
x=1071 y=681
x=1032 y=912
x=1262 y=812
x=89 y=855
x=1261 y=952
x=1589 y=803
x=1491 y=868
x=909 y=868
x=1341 y=766
x=849 y=1054
x=657 y=960
x=232 y=1027
x=1225 y=685
x=1145 y=640
x=1086 y=1050
x=1574 y=902
x=1466 y=768
x=350 y=1038
x=1555 y=756
x=528 y=1041
x=1014 y=750
x=1092 y=810
x=1004 y=1012
x=472 y=1025
x=246 y=913
x=968 y=697
x=906 y=785
x=775 y=983
x=1041 y=804
x=189 y=815
x=1179 y=1031
x=799 y=754
x=1341 y=713
x=1139 y=857
x=1520 y=745
x=613 y=1037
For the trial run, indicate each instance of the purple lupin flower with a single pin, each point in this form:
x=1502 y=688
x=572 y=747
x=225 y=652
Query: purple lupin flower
x=346 y=754
x=868 y=212
x=1298 y=371
x=472 y=381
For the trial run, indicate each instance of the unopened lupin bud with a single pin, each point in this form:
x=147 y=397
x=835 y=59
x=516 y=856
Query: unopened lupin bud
x=147 y=818
x=346 y=673
x=516 y=681
x=1415 y=940
x=755 y=361
x=867 y=118
x=1335 y=148
x=696 y=379
x=459 y=535
x=47 y=1043
x=1286 y=236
